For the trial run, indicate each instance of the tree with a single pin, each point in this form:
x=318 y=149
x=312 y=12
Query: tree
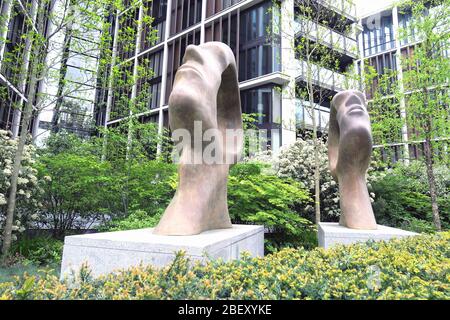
x=317 y=58
x=383 y=93
x=426 y=83
x=56 y=35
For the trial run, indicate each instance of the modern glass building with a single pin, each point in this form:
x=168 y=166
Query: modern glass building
x=382 y=49
x=260 y=35
x=65 y=97
x=12 y=86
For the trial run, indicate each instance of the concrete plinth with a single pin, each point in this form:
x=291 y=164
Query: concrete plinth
x=110 y=251
x=332 y=233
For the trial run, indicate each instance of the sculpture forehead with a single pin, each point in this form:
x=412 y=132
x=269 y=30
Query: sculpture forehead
x=347 y=95
x=219 y=50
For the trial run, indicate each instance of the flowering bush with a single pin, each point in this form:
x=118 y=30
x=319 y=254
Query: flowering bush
x=412 y=268
x=297 y=161
x=27 y=188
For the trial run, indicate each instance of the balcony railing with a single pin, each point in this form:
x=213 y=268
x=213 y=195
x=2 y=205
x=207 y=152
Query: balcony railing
x=344 y=7
x=320 y=76
x=326 y=36
x=303 y=114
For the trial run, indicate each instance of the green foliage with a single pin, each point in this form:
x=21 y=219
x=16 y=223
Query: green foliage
x=69 y=143
x=403 y=199
x=412 y=268
x=75 y=187
x=149 y=186
x=81 y=189
x=253 y=197
x=39 y=250
x=138 y=219
x=257 y=198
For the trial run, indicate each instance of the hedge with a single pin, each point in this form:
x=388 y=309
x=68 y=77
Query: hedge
x=413 y=268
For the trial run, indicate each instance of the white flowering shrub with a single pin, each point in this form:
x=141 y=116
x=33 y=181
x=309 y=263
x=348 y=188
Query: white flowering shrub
x=27 y=188
x=297 y=161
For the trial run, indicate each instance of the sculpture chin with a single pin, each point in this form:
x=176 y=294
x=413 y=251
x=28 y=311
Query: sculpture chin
x=182 y=97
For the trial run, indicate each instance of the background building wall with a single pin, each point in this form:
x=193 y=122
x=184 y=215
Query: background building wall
x=267 y=67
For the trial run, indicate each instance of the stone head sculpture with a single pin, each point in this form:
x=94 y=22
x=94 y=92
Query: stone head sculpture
x=204 y=103
x=349 y=152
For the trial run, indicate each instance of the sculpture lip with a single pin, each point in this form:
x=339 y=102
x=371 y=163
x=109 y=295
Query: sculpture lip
x=187 y=67
x=356 y=108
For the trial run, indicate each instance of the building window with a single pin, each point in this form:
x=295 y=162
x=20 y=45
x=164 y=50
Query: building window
x=149 y=86
x=215 y=6
x=265 y=101
x=257 y=54
x=378 y=35
x=157 y=9
x=185 y=13
x=224 y=29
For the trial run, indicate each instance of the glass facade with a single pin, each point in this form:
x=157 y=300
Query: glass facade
x=215 y=6
x=250 y=28
x=185 y=13
x=265 y=103
x=152 y=84
x=378 y=38
x=158 y=10
x=257 y=54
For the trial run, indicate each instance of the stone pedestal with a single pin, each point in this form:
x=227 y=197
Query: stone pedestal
x=110 y=251
x=332 y=233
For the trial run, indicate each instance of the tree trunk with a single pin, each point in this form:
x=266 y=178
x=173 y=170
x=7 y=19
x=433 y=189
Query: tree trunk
x=25 y=123
x=4 y=22
x=432 y=183
x=316 y=150
x=22 y=82
x=7 y=232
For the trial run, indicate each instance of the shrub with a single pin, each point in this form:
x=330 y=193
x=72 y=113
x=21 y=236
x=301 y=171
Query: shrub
x=39 y=250
x=403 y=199
x=413 y=268
x=149 y=186
x=28 y=187
x=297 y=161
x=82 y=190
x=257 y=198
x=138 y=219
x=78 y=191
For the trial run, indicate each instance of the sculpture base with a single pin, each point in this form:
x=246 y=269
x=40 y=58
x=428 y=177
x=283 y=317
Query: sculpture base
x=110 y=251
x=331 y=233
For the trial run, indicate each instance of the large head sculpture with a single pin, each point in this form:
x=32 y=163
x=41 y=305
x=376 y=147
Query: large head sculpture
x=349 y=153
x=204 y=110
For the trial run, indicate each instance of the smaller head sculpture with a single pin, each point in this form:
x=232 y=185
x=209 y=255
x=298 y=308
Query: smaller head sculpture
x=349 y=153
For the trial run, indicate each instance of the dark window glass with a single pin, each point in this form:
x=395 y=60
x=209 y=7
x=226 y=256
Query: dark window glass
x=185 y=13
x=256 y=50
x=378 y=35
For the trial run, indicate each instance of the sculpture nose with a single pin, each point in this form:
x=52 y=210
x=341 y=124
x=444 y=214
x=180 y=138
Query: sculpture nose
x=193 y=53
x=354 y=99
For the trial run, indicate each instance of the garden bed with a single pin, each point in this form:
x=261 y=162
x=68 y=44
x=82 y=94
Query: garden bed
x=411 y=268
